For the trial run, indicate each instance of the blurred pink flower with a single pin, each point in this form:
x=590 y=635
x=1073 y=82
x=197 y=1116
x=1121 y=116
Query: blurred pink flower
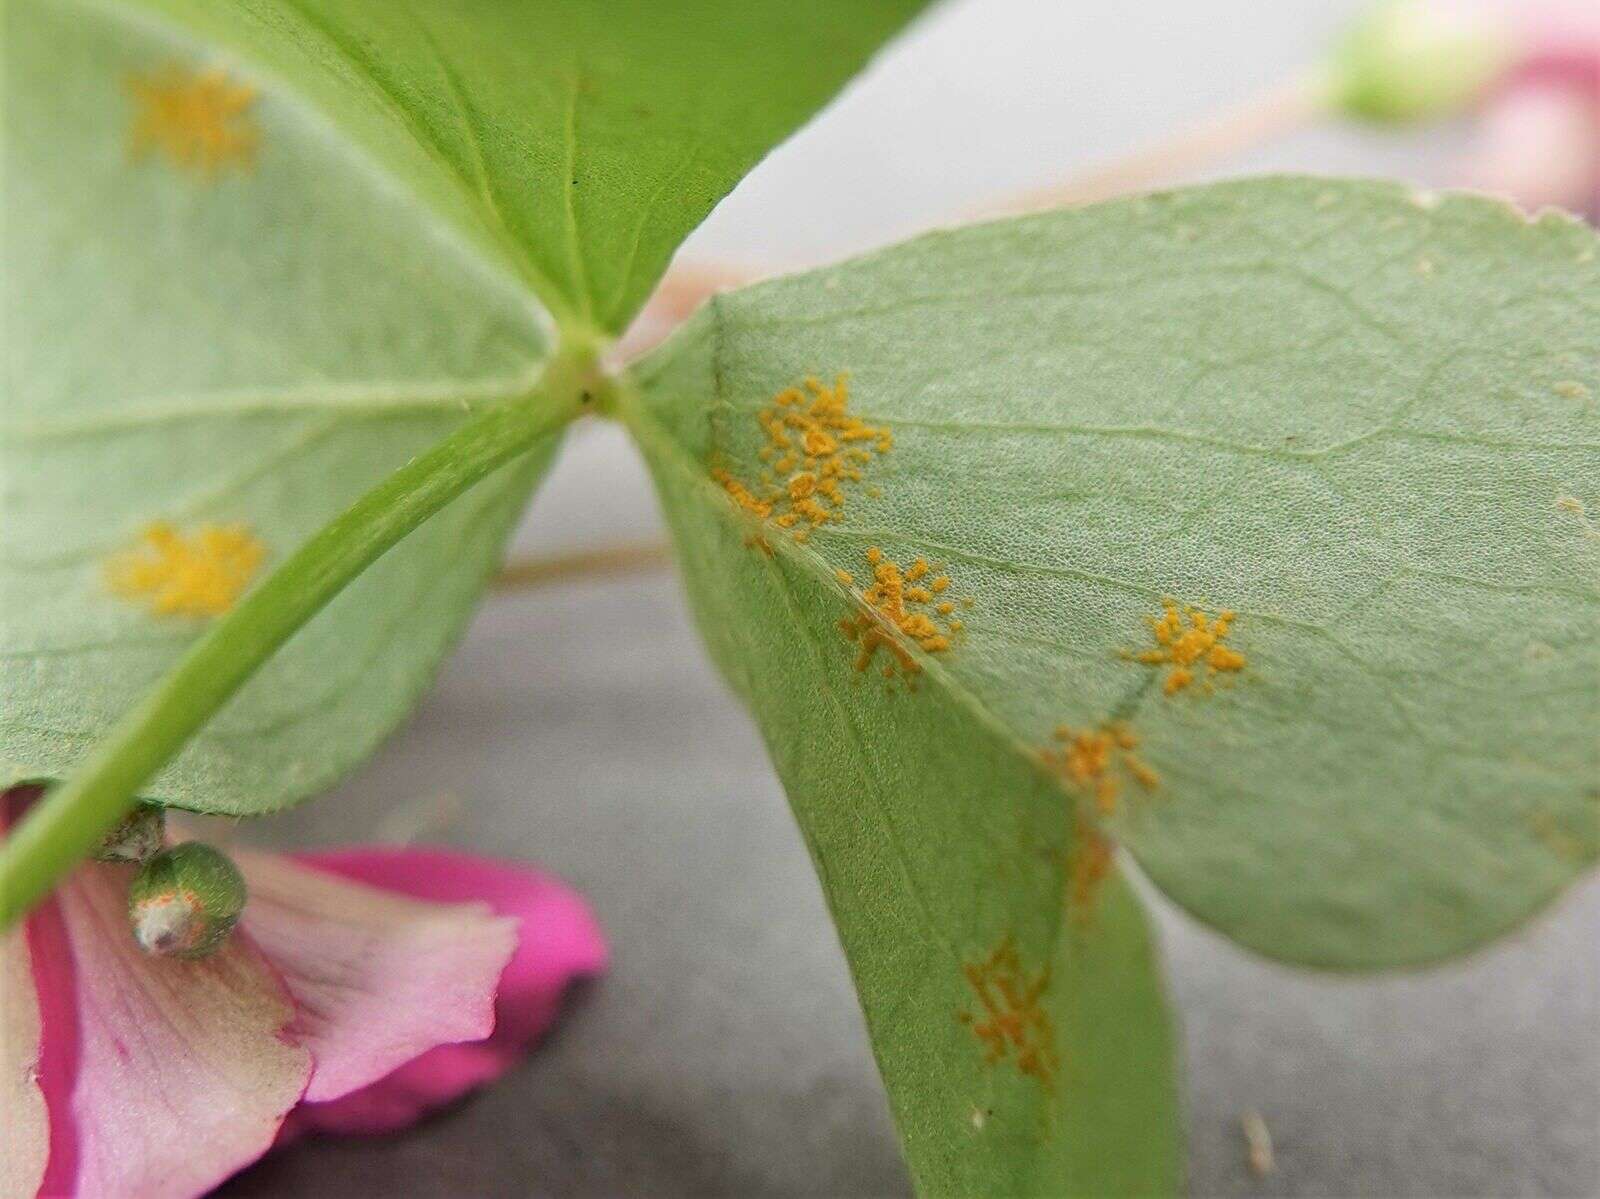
x=362 y=989
x=1539 y=138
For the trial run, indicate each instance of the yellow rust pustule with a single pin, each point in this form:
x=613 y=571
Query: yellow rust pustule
x=198 y=119
x=1010 y=1020
x=1097 y=762
x=815 y=452
x=1089 y=864
x=1190 y=644
x=894 y=616
x=202 y=573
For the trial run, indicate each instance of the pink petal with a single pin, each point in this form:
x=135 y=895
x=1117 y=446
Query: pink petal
x=24 y=1121
x=559 y=941
x=1557 y=43
x=24 y=1117
x=378 y=979
x=1557 y=35
x=182 y=1075
x=1540 y=145
x=61 y=1046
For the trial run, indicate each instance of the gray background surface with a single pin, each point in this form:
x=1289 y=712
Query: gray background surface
x=580 y=727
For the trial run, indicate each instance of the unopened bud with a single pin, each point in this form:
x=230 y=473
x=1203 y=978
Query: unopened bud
x=1418 y=60
x=141 y=834
x=185 y=901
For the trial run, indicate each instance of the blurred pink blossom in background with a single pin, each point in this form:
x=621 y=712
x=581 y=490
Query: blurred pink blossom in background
x=1539 y=138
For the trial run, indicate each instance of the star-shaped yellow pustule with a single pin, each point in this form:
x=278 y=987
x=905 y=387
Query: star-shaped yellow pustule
x=1189 y=642
x=198 y=574
x=198 y=119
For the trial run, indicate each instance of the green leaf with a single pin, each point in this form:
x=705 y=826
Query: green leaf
x=254 y=331
x=258 y=346
x=940 y=846
x=943 y=852
x=1364 y=421
x=74 y=817
x=578 y=140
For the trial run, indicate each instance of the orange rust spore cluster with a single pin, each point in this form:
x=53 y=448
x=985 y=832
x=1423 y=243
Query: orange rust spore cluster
x=1088 y=865
x=902 y=606
x=198 y=119
x=1011 y=1022
x=177 y=574
x=1097 y=761
x=814 y=450
x=1190 y=644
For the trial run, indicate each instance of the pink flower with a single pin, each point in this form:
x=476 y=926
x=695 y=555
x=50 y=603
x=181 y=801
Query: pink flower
x=361 y=989
x=1539 y=139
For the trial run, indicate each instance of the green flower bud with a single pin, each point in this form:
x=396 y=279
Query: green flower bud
x=185 y=901
x=142 y=833
x=1417 y=60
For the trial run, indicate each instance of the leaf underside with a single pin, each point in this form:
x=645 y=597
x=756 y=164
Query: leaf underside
x=945 y=861
x=256 y=335
x=577 y=141
x=1268 y=507
x=1363 y=421
x=256 y=348
x=1266 y=510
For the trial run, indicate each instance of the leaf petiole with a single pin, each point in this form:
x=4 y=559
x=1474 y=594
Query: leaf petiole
x=72 y=816
x=631 y=557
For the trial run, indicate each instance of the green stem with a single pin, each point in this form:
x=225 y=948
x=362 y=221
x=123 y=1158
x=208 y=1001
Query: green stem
x=73 y=816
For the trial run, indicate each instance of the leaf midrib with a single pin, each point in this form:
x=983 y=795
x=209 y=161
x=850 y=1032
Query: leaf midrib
x=650 y=431
x=541 y=288
x=377 y=399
